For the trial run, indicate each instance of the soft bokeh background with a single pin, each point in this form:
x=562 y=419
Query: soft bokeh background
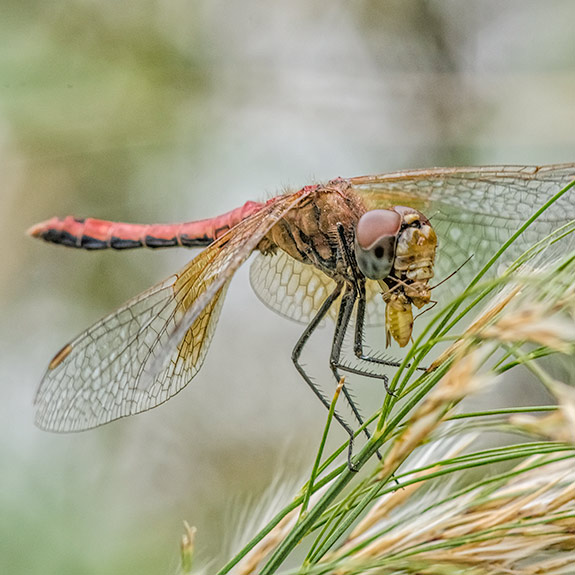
x=173 y=110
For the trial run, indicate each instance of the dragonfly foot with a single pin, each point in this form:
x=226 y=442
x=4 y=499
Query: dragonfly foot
x=388 y=390
x=350 y=464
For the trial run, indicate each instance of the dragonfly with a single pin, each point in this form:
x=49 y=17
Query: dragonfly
x=361 y=250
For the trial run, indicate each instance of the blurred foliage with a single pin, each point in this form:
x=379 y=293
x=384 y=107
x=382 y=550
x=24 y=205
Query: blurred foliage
x=175 y=109
x=90 y=91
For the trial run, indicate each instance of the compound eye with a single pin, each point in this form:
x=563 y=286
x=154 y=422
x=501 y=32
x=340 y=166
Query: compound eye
x=375 y=241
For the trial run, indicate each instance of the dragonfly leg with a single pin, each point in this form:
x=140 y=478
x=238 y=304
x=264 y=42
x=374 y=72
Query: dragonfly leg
x=359 y=351
x=359 y=296
x=342 y=323
x=296 y=353
x=358 y=342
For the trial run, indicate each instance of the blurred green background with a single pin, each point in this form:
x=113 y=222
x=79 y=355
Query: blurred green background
x=175 y=110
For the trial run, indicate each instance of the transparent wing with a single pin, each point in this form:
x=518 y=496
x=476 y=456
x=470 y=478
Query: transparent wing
x=288 y=287
x=128 y=362
x=296 y=290
x=475 y=210
x=95 y=378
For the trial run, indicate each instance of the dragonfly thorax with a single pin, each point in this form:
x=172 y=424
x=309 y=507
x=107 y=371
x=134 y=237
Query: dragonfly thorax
x=309 y=234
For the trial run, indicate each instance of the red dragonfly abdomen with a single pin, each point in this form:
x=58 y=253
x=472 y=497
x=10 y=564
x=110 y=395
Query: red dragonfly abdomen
x=93 y=234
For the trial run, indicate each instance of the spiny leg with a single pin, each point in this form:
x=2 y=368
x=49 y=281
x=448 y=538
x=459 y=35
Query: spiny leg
x=342 y=322
x=358 y=345
x=345 y=311
x=354 y=290
x=358 y=341
x=357 y=291
x=296 y=353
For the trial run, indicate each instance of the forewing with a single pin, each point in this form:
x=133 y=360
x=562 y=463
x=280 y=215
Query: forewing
x=148 y=350
x=475 y=210
x=296 y=290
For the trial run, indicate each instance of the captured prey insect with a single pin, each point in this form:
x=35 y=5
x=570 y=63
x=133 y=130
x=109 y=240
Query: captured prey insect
x=345 y=248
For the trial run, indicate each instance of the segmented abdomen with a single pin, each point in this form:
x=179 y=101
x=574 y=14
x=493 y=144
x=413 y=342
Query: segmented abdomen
x=93 y=234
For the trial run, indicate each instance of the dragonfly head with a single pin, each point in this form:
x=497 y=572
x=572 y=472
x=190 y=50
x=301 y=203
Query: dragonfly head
x=375 y=241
